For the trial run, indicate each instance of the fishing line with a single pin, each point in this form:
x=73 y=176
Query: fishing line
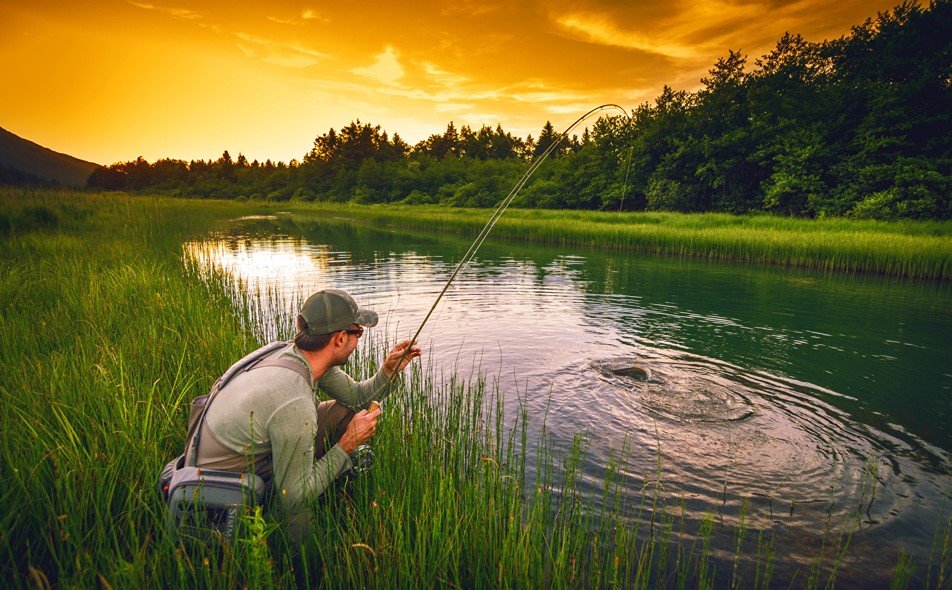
x=501 y=208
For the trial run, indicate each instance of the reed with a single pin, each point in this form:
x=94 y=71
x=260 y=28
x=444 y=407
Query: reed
x=104 y=337
x=920 y=250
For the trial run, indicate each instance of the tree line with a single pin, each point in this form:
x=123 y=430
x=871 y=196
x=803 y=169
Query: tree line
x=856 y=126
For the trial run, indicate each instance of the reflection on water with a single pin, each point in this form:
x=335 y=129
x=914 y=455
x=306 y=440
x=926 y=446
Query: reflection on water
x=816 y=399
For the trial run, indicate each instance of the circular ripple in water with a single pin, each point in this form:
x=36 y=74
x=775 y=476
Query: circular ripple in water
x=682 y=396
x=721 y=434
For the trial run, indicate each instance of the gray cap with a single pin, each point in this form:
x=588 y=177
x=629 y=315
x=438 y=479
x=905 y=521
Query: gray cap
x=331 y=310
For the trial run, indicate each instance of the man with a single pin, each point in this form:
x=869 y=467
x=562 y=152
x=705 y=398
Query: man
x=271 y=421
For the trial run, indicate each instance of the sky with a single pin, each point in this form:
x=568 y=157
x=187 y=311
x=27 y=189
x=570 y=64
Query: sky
x=112 y=80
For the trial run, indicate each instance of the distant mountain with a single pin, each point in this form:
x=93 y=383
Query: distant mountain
x=22 y=159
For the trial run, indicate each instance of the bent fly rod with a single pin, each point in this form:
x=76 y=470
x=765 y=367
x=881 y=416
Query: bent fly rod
x=501 y=208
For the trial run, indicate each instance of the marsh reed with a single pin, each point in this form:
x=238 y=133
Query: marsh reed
x=919 y=250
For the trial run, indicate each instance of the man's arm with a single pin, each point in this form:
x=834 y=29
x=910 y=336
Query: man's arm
x=297 y=475
x=356 y=395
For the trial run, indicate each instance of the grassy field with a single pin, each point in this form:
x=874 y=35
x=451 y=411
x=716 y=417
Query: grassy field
x=911 y=249
x=105 y=335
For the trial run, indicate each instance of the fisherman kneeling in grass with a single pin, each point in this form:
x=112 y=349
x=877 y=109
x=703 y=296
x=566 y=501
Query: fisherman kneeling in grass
x=270 y=420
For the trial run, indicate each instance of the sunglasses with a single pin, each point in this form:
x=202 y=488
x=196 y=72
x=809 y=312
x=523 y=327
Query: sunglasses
x=358 y=332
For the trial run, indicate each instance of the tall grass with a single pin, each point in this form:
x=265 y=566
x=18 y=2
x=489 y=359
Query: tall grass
x=102 y=340
x=920 y=250
x=104 y=337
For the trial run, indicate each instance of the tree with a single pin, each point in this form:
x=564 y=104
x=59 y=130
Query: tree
x=443 y=145
x=897 y=73
x=504 y=146
x=226 y=167
x=323 y=150
x=110 y=178
x=547 y=137
x=795 y=185
x=727 y=179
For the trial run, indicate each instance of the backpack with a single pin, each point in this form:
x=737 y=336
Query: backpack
x=205 y=504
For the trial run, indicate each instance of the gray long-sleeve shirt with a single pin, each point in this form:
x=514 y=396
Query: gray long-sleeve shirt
x=270 y=415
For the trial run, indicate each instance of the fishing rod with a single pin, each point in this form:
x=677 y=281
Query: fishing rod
x=501 y=208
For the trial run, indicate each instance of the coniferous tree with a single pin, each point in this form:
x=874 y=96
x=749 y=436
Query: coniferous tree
x=547 y=137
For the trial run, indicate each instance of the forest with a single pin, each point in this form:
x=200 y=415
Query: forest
x=856 y=126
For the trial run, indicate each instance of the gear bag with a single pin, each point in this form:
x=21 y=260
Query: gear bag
x=205 y=504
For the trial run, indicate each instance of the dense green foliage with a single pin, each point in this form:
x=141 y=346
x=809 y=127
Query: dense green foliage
x=855 y=126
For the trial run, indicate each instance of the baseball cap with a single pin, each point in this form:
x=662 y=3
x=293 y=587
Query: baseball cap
x=331 y=310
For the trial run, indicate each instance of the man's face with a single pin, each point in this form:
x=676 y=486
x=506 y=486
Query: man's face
x=352 y=333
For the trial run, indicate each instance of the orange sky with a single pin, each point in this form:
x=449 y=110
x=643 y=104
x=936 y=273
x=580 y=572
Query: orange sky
x=110 y=80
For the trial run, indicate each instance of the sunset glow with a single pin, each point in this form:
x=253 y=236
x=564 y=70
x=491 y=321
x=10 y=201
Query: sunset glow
x=108 y=81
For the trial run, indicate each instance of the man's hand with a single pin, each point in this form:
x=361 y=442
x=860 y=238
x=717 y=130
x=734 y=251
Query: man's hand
x=361 y=428
x=393 y=357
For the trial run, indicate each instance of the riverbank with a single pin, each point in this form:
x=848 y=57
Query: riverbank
x=103 y=341
x=920 y=250
x=106 y=336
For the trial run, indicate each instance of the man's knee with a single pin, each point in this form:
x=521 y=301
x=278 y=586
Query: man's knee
x=332 y=421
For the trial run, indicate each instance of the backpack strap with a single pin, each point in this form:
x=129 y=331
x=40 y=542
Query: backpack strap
x=285 y=363
x=254 y=360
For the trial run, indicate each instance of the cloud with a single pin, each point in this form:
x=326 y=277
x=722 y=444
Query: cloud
x=386 y=68
x=536 y=93
x=442 y=76
x=470 y=8
x=428 y=86
x=699 y=30
x=601 y=29
x=447 y=107
x=569 y=109
x=287 y=55
x=443 y=96
x=456 y=96
x=183 y=13
x=478 y=119
x=306 y=15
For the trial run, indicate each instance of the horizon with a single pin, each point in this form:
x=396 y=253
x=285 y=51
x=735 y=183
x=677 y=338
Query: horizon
x=161 y=81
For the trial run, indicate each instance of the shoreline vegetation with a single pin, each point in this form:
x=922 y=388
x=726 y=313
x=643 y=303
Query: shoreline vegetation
x=913 y=249
x=106 y=335
x=919 y=250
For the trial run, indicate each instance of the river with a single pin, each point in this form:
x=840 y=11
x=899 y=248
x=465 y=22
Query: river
x=813 y=400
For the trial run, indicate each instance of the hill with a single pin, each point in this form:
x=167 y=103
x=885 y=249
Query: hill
x=23 y=160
